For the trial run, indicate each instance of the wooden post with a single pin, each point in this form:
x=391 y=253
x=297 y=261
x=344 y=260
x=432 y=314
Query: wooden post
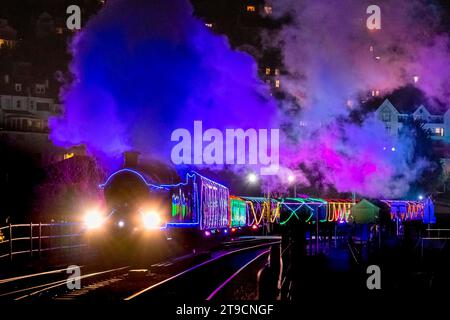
x=10 y=243
x=31 y=239
x=40 y=238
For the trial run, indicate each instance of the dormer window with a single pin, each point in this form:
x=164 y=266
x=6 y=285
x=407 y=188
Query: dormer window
x=386 y=115
x=18 y=87
x=40 y=89
x=268 y=10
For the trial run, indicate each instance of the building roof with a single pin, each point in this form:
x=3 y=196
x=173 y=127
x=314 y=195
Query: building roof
x=7 y=32
x=415 y=109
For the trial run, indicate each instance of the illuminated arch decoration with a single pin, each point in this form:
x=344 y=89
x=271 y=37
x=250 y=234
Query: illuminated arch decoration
x=134 y=172
x=314 y=206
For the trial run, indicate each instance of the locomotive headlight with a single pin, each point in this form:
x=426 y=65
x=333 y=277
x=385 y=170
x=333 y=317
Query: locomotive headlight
x=151 y=220
x=93 y=219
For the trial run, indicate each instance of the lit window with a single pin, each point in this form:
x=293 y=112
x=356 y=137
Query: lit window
x=251 y=8
x=268 y=10
x=386 y=115
x=68 y=155
x=277 y=83
x=277 y=72
x=40 y=89
x=439 y=132
x=388 y=129
x=18 y=87
x=267 y=71
x=371 y=49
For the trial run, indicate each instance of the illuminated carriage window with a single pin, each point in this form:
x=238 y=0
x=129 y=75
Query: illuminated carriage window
x=182 y=209
x=238 y=210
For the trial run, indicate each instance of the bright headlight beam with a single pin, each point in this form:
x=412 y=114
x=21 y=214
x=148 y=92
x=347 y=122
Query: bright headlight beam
x=151 y=220
x=93 y=219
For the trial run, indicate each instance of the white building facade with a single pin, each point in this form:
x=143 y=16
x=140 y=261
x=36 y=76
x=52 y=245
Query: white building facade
x=25 y=109
x=393 y=119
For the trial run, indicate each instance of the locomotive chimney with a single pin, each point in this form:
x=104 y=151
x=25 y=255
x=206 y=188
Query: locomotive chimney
x=130 y=159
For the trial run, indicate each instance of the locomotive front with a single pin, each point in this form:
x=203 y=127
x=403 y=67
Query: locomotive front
x=133 y=205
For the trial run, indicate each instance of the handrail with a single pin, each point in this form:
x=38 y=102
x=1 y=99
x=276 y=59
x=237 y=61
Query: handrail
x=39 y=237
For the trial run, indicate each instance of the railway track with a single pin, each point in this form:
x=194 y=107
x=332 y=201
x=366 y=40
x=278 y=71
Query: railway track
x=159 y=281
x=203 y=281
x=51 y=287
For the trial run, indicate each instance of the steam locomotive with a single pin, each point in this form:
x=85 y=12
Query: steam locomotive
x=137 y=205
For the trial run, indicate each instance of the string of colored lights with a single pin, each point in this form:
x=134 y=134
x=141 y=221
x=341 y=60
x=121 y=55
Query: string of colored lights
x=267 y=212
x=405 y=209
x=339 y=210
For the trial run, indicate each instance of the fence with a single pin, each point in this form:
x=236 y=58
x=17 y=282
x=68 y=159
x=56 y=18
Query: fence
x=437 y=236
x=36 y=238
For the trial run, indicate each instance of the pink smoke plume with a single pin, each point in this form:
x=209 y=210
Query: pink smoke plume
x=332 y=60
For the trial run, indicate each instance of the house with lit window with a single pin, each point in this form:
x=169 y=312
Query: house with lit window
x=393 y=118
x=271 y=75
x=26 y=104
x=8 y=36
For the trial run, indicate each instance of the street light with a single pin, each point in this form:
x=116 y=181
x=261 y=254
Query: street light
x=252 y=178
x=291 y=179
x=420 y=197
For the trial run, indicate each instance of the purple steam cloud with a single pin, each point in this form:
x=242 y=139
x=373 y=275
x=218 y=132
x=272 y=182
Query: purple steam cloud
x=145 y=68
